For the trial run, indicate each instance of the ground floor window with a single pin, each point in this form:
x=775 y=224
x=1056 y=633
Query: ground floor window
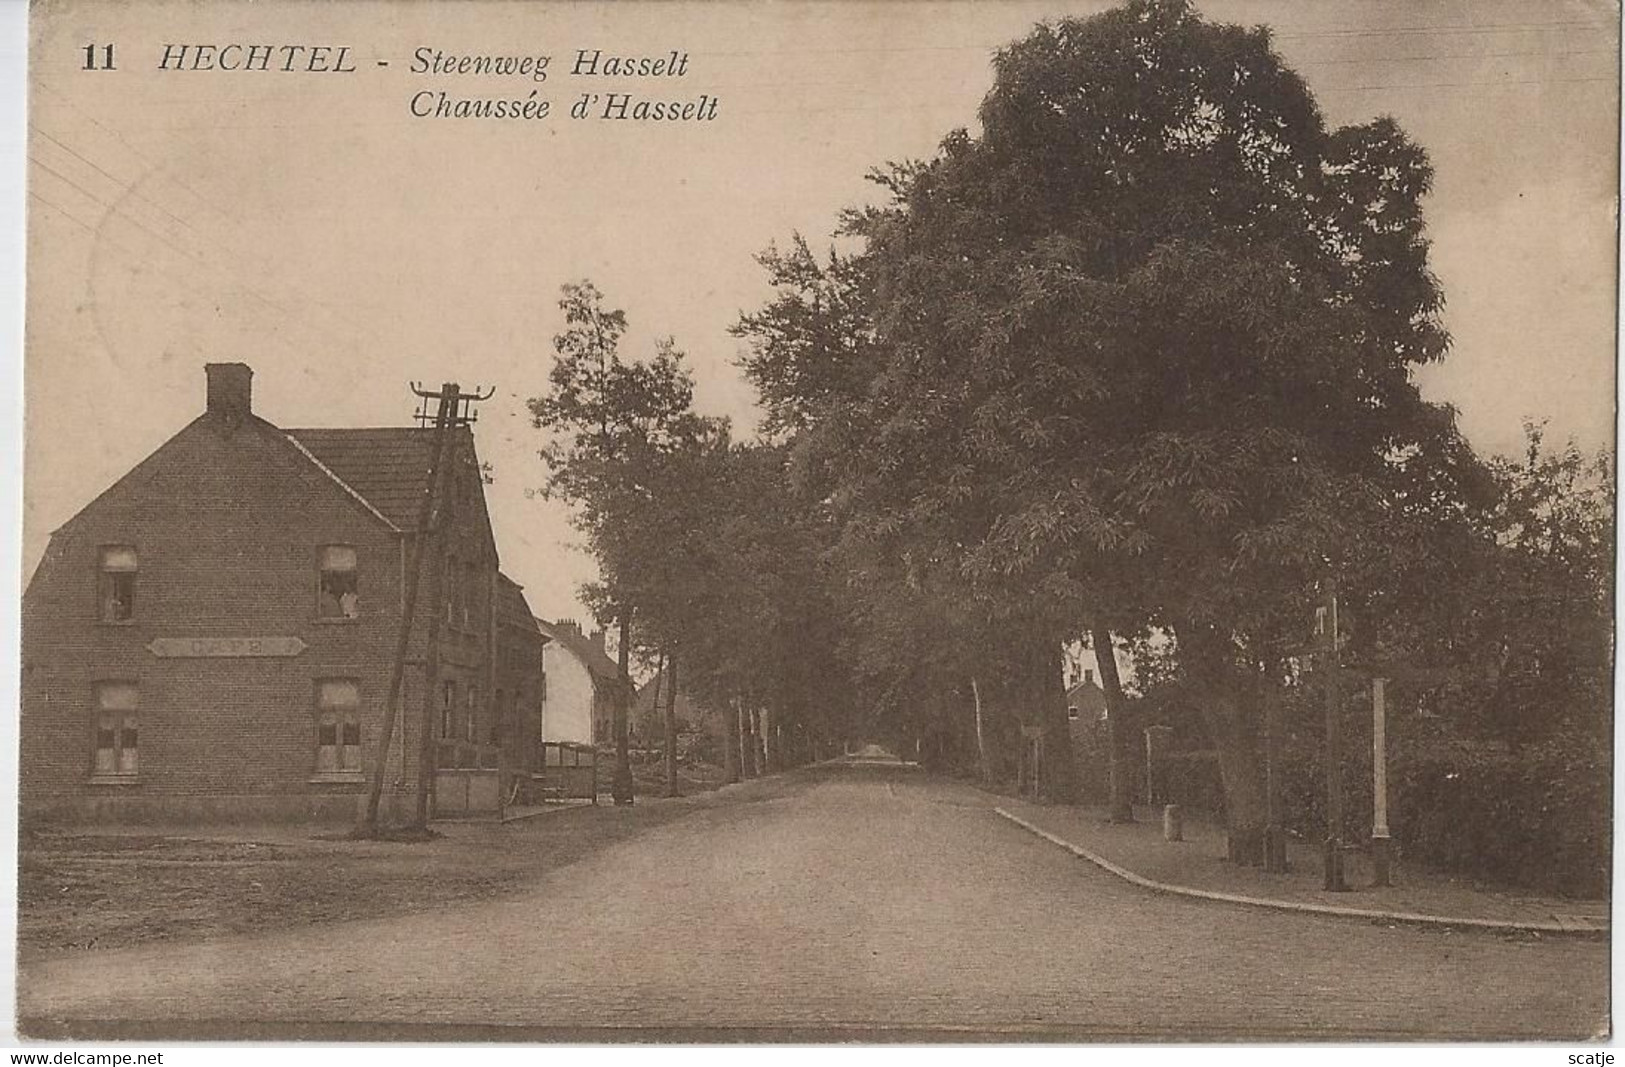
x=338 y=726
x=117 y=715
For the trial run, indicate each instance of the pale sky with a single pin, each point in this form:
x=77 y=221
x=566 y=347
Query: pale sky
x=309 y=226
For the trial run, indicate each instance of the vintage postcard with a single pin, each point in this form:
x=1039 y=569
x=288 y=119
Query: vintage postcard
x=1021 y=521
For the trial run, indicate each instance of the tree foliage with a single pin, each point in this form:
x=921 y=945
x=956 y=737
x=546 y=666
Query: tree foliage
x=1136 y=358
x=613 y=424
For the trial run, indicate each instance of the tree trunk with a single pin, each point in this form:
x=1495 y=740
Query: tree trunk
x=1120 y=747
x=748 y=759
x=1058 y=771
x=1204 y=656
x=730 y=742
x=1245 y=799
x=671 y=730
x=660 y=682
x=765 y=753
x=621 y=785
x=984 y=767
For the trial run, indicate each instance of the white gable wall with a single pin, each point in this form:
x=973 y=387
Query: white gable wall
x=567 y=709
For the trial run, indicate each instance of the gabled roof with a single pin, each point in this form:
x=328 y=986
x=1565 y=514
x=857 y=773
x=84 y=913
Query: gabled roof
x=386 y=467
x=513 y=609
x=596 y=660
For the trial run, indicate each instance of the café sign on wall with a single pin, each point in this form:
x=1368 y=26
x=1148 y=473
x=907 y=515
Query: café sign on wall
x=224 y=647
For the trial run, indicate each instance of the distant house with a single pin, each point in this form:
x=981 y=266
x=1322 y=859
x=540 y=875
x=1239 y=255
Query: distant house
x=1086 y=700
x=581 y=679
x=649 y=719
x=214 y=635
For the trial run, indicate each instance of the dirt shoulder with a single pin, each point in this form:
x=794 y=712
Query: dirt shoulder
x=94 y=888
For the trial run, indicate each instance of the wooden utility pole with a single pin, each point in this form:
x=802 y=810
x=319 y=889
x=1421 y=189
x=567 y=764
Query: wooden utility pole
x=453 y=408
x=1327 y=624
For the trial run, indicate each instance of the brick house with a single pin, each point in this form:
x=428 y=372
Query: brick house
x=1086 y=701
x=213 y=635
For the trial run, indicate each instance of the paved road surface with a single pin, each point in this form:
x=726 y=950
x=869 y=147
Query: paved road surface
x=862 y=902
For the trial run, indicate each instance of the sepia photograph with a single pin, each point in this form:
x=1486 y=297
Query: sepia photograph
x=818 y=522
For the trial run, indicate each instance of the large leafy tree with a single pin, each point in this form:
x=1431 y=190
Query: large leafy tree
x=1143 y=350
x=613 y=423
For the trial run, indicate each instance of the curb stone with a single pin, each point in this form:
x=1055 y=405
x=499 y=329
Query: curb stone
x=1572 y=929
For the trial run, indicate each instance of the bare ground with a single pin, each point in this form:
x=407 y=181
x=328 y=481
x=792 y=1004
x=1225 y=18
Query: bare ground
x=96 y=888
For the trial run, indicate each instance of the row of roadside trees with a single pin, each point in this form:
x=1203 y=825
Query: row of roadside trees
x=1132 y=364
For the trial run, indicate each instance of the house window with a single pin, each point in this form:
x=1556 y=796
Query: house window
x=338 y=726
x=116 y=583
x=1072 y=712
x=448 y=701
x=337 y=590
x=1088 y=676
x=449 y=590
x=473 y=709
x=117 y=715
x=470 y=607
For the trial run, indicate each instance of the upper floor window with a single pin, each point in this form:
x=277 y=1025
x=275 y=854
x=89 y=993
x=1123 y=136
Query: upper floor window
x=338 y=726
x=117 y=722
x=470 y=595
x=338 y=592
x=115 y=590
x=473 y=714
x=448 y=701
x=1088 y=676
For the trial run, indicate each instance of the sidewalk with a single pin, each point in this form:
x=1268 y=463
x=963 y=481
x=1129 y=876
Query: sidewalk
x=1197 y=867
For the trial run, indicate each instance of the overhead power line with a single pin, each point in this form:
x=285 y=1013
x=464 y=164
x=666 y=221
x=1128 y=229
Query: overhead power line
x=120 y=182
x=112 y=209
x=128 y=190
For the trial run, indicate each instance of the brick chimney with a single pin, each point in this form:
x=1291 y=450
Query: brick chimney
x=231 y=389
